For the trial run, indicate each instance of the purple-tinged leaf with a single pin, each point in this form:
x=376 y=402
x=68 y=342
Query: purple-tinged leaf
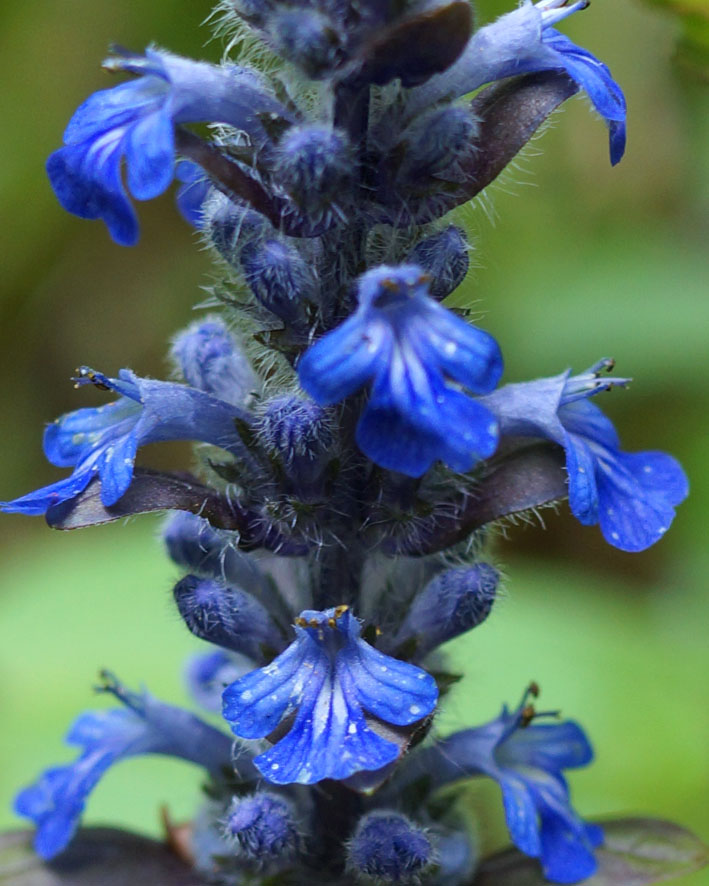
x=153 y=491
x=416 y=48
x=636 y=852
x=510 y=113
x=520 y=480
x=96 y=857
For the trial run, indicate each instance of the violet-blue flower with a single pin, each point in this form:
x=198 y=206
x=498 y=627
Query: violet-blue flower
x=524 y=41
x=144 y=726
x=328 y=678
x=410 y=348
x=527 y=759
x=632 y=496
x=136 y=121
x=103 y=441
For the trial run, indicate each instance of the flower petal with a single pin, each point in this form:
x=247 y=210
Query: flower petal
x=343 y=360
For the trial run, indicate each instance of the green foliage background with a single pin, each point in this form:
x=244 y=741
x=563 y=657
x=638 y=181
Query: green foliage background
x=574 y=261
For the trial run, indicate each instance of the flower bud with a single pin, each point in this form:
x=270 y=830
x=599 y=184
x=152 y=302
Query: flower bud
x=227 y=616
x=192 y=542
x=229 y=225
x=210 y=359
x=307 y=38
x=314 y=165
x=279 y=277
x=389 y=848
x=436 y=143
x=298 y=432
x=445 y=257
x=263 y=825
x=454 y=602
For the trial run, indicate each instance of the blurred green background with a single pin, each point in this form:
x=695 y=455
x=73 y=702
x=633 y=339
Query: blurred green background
x=574 y=261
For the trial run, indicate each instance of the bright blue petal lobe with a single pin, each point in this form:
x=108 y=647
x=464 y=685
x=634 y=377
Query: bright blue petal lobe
x=595 y=78
x=550 y=746
x=409 y=347
x=40 y=500
x=566 y=856
x=145 y=726
x=149 y=152
x=584 y=419
x=390 y=689
x=344 y=360
x=329 y=677
x=637 y=494
x=87 y=183
x=583 y=490
x=521 y=815
x=104 y=441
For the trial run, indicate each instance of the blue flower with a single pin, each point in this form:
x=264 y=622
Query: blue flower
x=526 y=759
x=410 y=347
x=136 y=120
x=632 y=496
x=144 y=726
x=327 y=678
x=523 y=42
x=103 y=441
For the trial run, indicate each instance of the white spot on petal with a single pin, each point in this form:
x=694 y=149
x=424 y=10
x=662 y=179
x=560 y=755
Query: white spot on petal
x=246 y=695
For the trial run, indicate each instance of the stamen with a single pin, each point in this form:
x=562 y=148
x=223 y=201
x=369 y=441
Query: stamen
x=86 y=375
x=554 y=11
x=111 y=684
x=590 y=382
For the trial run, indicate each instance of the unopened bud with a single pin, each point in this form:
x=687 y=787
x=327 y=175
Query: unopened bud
x=210 y=359
x=307 y=38
x=437 y=143
x=389 y=848
x=229 y=225
x=314 y=165
x=279 y=277
x=451 y=604
x=444 y=256
x=263 y=825
x=228 y=617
